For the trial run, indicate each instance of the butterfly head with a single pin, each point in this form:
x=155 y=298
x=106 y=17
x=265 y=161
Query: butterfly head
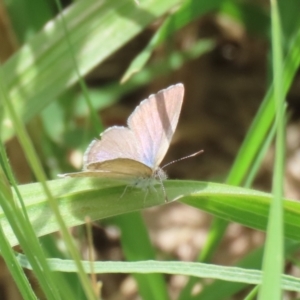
x=159 y=174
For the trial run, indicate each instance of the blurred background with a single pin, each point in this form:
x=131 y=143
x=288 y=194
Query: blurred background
x=221 y=55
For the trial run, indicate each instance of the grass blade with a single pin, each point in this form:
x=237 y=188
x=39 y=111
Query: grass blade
x=273 y=256
x=172 y=267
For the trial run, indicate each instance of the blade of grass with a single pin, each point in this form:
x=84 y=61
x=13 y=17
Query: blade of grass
x=7 y=252
x=252 y=294
x=259 y=158
x=14 y=267
x=257 y=218
x=27 y=242
x=172 y=267
x=273 y=256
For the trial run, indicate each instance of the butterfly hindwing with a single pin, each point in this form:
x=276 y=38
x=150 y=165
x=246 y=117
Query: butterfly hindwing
x=116 y=142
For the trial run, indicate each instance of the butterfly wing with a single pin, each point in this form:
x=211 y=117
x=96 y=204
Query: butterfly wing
x=121 y=168
x=138 y=150
x=154 y=122
x=116 y=142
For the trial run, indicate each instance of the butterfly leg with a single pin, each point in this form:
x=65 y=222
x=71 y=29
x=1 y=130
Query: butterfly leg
x=123 y=193
x=164 y=190
x=146 y=194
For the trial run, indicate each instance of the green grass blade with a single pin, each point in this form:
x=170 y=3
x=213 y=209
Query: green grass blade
x=259 y=158
x=14 y=268
x=7 y=252
x=273 y=256
x=237 y=207
x=252 y=294
x=172 y=267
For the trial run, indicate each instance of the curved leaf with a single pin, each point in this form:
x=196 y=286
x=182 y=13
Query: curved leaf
x=98 y=198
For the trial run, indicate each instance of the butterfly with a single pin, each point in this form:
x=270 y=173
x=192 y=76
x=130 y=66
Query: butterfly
x=135 y=152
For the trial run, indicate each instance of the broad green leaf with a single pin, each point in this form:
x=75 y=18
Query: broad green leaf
x=101 y=198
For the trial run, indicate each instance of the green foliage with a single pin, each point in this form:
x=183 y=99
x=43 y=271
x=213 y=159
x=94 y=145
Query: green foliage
x=39 y=83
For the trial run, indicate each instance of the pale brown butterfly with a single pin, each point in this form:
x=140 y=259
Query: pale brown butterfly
x=134 y=153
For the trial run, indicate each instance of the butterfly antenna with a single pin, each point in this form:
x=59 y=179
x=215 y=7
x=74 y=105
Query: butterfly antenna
x=182 y=158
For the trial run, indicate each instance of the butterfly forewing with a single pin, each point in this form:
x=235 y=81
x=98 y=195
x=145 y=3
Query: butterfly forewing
x=154 y=122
